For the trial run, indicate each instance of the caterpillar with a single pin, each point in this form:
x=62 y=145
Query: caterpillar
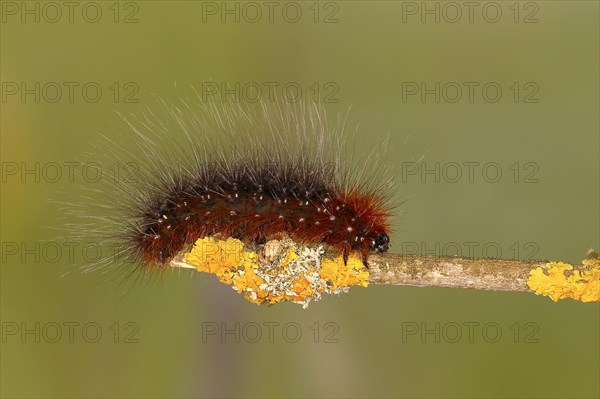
x=249 y=171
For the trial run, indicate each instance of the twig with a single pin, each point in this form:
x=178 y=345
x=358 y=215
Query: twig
x=286 y=270
x=455 y=272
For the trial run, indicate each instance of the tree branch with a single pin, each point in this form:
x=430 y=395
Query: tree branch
x=447 y=271
x=286 y=270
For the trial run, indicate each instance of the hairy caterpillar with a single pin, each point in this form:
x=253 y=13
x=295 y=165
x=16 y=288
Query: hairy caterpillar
x=248 y=171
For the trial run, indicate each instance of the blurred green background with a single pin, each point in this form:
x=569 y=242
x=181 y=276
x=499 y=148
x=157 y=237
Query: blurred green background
x=361 y=54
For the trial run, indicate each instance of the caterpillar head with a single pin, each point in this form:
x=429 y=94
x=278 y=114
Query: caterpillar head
x=379 y=242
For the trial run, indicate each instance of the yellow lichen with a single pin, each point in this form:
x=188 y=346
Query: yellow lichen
x=344 y=275
x=302 y=288
x=215 y=256
x=297 y=278
x=290 y=256
x=581 y=285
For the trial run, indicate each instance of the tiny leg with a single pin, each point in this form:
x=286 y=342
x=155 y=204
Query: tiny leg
x=364 y=260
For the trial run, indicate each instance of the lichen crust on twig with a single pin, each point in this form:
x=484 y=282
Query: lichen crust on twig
x=284 y=270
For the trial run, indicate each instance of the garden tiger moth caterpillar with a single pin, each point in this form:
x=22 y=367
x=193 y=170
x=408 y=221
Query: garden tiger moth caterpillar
x=252 y=171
